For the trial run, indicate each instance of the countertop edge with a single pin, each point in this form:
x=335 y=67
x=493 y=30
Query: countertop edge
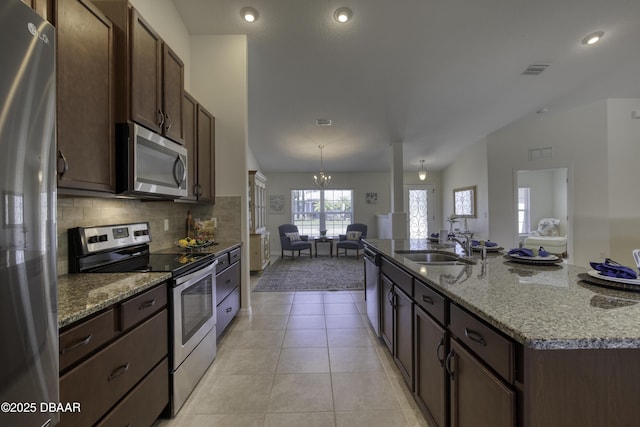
x=530 y=341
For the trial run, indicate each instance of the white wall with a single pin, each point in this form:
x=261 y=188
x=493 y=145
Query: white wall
x=579 y=142
x=469 y=168
x=623 y=135
x=219 y=83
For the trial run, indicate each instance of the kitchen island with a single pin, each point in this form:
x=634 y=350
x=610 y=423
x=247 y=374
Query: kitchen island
x=531 y=345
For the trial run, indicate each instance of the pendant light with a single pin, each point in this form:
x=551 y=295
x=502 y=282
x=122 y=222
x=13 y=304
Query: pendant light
x=321 y=180
x=422 y=174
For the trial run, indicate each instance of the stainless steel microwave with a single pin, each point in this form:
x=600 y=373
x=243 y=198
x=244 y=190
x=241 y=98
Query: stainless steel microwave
x=148 y=164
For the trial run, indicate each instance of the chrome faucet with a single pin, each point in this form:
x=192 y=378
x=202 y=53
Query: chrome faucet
x=466 y=245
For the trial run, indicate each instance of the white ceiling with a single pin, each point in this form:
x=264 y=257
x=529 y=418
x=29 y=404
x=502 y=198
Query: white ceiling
x=437 y=75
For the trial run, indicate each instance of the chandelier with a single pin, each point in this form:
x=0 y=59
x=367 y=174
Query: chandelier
x=321 y=179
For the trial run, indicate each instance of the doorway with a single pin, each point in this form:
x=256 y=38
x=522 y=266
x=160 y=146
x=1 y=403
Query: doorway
x=420 y=205
x=542 y=193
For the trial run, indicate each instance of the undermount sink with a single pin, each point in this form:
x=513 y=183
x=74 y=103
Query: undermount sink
x=431 y=257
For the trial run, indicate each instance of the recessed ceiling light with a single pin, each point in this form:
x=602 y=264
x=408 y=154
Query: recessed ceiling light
x=593 y=38
x=342 y=14
x=249 y=14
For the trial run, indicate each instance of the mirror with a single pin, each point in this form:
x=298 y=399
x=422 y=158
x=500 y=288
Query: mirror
x=464 y=202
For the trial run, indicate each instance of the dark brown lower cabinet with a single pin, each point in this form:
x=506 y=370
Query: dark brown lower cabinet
x=104 y=378
x=227 y=289
x=403 y=334
x=386 y=312
x=431 y=378
x=396 y=329
x=478 y=398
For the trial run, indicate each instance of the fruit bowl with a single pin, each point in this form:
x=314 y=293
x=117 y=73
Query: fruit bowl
x=189 y=243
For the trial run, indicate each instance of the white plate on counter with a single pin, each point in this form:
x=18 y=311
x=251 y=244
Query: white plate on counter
x=597 y=275
x=540 y=260
x=489 y=248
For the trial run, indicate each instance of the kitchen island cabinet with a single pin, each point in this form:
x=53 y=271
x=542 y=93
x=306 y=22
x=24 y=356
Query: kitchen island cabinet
x=528 y=346
x=397 y=295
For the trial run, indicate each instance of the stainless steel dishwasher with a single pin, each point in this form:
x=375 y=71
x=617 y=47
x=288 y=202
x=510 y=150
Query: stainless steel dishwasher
x=372 y=287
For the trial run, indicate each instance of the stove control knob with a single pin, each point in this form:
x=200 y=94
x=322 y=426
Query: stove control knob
x=138 y=233
x=93 y=239
x=103 y=238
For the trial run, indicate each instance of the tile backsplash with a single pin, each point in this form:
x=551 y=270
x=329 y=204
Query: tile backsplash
x=88 y=211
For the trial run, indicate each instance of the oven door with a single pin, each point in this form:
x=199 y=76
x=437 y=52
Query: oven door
x=194 y=310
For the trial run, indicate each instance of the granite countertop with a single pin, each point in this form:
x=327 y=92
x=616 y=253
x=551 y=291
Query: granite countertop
x=80 y=295
x=542 y=307
x=83 y=294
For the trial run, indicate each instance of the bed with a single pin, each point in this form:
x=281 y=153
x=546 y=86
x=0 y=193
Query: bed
x=548 y=236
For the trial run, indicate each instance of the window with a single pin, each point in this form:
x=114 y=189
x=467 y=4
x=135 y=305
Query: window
x=524 y=210
x=418 y=214
x=315 y=210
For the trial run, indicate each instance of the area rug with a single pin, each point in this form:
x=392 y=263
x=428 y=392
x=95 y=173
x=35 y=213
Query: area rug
x=312 y=274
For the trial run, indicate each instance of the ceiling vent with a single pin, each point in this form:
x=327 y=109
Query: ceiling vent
x=323 y=122
x=535 y=69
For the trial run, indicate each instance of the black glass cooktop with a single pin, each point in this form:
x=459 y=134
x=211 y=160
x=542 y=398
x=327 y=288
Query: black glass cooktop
x=176 y=263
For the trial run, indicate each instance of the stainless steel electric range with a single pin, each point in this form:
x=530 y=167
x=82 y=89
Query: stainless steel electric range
x=192 y=294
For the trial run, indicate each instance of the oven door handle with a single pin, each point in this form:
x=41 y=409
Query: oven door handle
x=197 y=274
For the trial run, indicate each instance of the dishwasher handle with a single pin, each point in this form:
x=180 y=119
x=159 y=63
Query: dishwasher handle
x=371 y=256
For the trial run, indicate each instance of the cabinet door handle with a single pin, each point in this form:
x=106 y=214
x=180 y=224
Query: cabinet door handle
x=167 y=121
x=447 y=364
x=82 y=342
x=427 y=299
x=391 y=296
x=118 y=371
x=228 y=310
x=147 y=304
x=438 y=347
x=474 y=336
x=63 y=164
x=160 y=118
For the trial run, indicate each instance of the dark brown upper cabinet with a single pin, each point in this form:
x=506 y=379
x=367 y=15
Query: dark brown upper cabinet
x=149 y=74
x=85 y=92
x=42 y=7
x=199 y=131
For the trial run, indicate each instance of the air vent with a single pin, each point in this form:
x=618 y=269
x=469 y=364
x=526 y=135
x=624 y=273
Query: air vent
x=323 y=122
x=535 y=69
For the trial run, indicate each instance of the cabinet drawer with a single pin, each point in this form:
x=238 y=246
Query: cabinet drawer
x=227 y=310
x=84 y=338
x=144 y=403
x=223 y=262
x=234 y=255
x=143 y=306
x=107 y=376
x=398 y=276
x=496 y=350
x=227 y=281
x=431 y=301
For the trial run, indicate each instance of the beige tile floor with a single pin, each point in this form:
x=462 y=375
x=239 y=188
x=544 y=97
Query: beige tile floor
x=301 y=359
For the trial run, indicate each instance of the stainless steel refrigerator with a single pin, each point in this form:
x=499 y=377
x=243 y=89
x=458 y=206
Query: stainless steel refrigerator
x=28 y=299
